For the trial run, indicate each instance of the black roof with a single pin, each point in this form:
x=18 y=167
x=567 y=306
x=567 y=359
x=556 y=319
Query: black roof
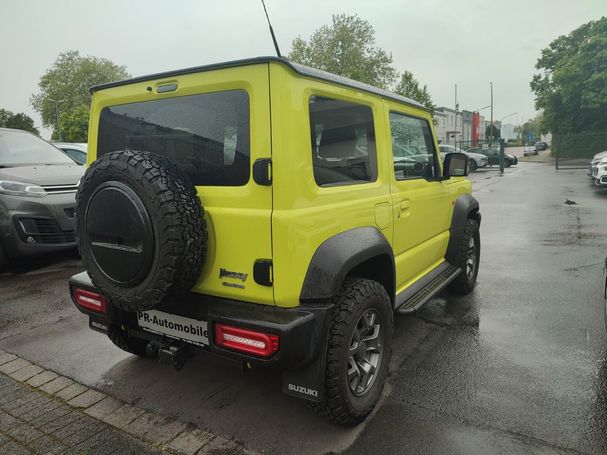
x=299 y=69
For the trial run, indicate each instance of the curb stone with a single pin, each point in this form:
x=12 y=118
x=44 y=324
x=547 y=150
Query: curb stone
x=166 y=434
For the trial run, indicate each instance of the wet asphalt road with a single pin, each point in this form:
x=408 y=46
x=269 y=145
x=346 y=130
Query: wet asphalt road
x=518 y=366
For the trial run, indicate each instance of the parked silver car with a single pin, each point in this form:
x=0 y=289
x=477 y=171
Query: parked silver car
x=475 y=160
x=38 y=184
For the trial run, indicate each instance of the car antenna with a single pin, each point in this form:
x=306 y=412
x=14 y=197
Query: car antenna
x=271 y=29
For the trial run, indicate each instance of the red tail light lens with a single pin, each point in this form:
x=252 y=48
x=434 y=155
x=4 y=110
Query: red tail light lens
x=247 y=341
x=91 y=301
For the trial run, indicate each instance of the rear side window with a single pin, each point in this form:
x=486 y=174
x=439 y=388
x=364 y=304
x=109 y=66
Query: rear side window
x=343 y=142
x=206 y=135
x=412 y=148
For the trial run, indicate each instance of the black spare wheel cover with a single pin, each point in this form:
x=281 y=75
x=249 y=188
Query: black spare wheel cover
x=141 y=229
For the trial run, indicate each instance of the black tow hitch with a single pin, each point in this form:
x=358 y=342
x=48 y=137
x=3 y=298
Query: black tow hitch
x=172 y=354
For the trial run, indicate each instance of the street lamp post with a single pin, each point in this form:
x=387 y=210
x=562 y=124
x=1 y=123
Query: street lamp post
x=492 y=135
x=57 y=116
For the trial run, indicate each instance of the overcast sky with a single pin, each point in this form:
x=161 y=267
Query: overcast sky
x=468 y=42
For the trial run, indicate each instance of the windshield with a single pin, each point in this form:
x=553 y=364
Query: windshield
x=23 y=149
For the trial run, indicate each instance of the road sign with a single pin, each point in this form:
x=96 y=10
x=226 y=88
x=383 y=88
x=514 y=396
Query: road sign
x=530 y=136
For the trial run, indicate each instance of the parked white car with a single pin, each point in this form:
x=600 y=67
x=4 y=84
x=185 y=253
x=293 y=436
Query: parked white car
x=530 y=150
x=475 y=160
x=595 y=162
x=600 y=179
x=75 y=150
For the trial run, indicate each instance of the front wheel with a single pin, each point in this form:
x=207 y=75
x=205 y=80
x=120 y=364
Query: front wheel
x=467 y=260
x=473 y=166
x=358 y=353
x=507 y=163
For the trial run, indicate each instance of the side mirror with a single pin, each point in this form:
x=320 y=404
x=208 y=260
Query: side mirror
x=455 y=165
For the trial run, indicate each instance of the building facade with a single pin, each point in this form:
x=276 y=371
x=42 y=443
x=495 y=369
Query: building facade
x=452 y=129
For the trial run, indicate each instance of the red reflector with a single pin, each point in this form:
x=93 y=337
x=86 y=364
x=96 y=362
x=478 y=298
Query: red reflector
x=90 y=300
x=248 y=341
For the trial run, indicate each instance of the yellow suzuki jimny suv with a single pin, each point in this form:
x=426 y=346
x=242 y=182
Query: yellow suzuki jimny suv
x=272 y=214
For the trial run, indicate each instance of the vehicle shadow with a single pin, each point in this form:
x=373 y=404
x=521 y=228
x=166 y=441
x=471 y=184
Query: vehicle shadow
x=217 y=395
x=20 y=266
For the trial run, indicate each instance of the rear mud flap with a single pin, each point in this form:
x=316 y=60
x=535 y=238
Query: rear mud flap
x=307 y=382
x=99 y=324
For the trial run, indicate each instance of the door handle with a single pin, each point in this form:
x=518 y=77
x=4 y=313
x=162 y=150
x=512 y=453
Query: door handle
x=405 y=205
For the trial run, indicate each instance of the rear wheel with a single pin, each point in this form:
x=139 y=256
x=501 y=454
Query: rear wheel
x=131 y=345
x=359 y=351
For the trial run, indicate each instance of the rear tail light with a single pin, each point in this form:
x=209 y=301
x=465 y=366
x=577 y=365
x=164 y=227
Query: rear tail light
x=89 y=300
x=247 y=341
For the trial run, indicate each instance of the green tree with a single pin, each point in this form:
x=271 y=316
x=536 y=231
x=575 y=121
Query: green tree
x=19 y=121
x=75 y=124
x=347 y=48
x=572 y=86
x=535 y=126
x=409 y=87
x=68 y=82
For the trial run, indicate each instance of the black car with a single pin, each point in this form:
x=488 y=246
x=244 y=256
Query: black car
x=493 y=155
x=539 y=146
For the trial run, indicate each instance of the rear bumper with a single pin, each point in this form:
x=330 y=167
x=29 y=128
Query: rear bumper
x=302 y=331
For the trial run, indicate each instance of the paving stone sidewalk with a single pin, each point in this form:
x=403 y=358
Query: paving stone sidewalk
x=42 y=412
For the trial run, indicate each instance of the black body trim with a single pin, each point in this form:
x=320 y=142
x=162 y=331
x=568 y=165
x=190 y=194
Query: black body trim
x=301 y=330
x=262 y=171
x=262 y=272
x=414 y=297
x=465 y=207
x=297 y=68
x=404 y=296
x=339 y=255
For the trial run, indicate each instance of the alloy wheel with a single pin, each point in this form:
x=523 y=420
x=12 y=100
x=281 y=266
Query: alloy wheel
x=365 y=353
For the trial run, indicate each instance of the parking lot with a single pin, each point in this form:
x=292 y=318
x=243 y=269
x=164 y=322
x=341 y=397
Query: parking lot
x=518 y=366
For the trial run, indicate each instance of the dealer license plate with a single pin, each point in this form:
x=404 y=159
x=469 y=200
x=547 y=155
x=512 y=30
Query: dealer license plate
x=173 y=326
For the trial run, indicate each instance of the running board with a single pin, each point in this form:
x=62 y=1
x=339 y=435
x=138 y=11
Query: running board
x=411 y=300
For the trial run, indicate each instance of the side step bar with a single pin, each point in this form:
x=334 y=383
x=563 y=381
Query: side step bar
x=412 y=298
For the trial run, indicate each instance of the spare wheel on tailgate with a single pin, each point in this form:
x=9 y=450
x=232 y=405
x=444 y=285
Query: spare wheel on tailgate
x=141 y=229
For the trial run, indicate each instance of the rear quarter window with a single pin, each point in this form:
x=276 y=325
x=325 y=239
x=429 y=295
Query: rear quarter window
x=343 y=142
x=206 y=135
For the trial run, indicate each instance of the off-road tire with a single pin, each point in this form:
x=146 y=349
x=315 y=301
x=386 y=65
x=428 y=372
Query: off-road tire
x=356 y=296
x=131 y=345
x=464 y=283
x=176 y=217
x=472 y=166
